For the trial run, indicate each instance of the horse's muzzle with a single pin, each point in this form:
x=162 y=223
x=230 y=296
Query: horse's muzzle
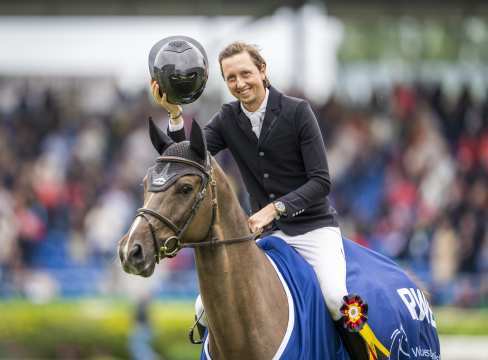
x=136 y=260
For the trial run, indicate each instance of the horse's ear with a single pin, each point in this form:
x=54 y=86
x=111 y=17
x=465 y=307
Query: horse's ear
x=159 y=139
x=197 y=140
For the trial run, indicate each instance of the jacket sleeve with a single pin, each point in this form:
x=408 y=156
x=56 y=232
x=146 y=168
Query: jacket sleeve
x=212 y=131
x=315 y=162
x=214 y=135
x=176 y=136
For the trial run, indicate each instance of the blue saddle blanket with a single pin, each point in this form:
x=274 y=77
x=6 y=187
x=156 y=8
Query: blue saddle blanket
x=400 y=326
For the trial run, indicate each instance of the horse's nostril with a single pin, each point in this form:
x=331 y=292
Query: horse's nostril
x=136 y=252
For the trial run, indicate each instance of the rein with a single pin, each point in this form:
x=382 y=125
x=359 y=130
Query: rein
x=173 y=244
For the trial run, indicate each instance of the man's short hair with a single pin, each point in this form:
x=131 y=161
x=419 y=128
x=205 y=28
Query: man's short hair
x=238 y=47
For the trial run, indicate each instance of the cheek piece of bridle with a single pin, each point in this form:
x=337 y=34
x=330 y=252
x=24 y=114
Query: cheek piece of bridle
x=173 y=244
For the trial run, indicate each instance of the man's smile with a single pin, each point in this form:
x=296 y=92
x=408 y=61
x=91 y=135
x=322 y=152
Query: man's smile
x=244 y=91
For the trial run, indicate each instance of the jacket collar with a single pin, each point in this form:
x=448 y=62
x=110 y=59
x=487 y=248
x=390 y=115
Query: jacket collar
x=272 y=111
x=273 y=99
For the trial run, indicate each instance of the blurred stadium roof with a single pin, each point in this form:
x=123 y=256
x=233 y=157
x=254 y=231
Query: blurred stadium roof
x=257 y=8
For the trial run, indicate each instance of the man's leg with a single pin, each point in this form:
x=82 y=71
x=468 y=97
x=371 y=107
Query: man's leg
x=323 y=250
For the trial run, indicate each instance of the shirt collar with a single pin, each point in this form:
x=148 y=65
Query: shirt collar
x=262 y=107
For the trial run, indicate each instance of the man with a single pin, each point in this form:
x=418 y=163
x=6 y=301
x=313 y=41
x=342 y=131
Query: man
x=277 y=144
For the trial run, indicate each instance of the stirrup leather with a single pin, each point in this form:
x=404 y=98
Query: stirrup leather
x=200 y=329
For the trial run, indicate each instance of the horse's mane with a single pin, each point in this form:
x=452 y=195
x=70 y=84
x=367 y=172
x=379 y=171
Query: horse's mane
x=184 y=150
x=225 y=183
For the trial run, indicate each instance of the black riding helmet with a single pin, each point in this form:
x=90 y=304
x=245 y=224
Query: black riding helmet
x=179 y=65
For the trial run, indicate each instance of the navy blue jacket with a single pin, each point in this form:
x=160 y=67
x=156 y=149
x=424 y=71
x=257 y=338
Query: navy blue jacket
x=287 y=162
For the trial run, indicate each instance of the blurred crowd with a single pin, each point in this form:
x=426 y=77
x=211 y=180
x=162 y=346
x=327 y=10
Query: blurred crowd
x=410 y=181
x=409 y=170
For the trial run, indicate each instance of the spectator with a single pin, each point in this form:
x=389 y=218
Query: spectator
x=410 y=174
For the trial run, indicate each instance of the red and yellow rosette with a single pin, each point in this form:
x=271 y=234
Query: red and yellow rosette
x=355 y=312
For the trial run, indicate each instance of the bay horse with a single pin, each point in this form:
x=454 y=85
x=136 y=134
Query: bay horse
x=189 y=202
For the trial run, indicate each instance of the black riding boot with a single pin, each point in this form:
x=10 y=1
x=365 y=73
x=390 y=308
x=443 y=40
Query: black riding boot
x=353 y=342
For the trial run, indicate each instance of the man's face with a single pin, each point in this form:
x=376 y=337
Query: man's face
x=244 y=80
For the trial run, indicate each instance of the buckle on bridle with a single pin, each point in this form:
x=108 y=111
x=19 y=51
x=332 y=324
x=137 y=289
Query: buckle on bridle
x=170 y=247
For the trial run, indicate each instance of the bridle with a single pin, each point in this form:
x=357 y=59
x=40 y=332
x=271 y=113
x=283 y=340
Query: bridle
x=172 y=245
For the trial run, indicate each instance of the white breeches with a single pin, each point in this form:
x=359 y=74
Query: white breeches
x=323 y=250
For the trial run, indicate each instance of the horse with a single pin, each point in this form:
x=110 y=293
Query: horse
x=252 y=300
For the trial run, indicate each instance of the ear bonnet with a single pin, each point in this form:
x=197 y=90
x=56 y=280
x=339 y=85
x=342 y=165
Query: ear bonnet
x=164 y=173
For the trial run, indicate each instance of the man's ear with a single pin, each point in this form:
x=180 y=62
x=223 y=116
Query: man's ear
x=159 y=139
x=197 y=140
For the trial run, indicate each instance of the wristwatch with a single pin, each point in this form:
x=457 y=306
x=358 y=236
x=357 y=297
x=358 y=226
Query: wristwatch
x=280 y=209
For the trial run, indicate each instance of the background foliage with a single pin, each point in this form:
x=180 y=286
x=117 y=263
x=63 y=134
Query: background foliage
x=99 y=329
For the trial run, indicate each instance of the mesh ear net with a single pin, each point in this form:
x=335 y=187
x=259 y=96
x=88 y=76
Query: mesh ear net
x=183 y=150
x=163 y=174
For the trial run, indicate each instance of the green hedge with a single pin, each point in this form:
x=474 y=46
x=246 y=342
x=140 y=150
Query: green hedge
x=90 y=329
x=99 y=329
x=460 y=321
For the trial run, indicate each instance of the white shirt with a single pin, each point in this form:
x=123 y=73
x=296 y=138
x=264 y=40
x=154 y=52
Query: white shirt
x=256 y=117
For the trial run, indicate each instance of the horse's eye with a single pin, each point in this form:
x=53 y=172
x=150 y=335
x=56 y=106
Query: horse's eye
x=186 y=189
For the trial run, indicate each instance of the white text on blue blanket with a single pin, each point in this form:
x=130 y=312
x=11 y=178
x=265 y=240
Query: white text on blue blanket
x=417 y=304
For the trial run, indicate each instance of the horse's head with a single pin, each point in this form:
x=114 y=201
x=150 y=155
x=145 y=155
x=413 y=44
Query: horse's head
x=176 y=209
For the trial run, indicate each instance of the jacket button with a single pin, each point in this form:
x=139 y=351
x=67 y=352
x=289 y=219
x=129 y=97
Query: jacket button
x=266 y=175
x=272 y=196
x=261 y=153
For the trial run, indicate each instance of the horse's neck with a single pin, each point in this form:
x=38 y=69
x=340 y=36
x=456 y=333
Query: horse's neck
x=244 y=300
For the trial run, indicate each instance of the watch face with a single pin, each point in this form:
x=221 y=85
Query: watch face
x=280 y=206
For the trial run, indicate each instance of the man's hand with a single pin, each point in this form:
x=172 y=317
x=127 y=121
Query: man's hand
x=263 y=217
x=172 y=109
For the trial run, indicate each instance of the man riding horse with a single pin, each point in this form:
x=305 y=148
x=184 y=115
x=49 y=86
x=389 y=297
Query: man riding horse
x=276 y=142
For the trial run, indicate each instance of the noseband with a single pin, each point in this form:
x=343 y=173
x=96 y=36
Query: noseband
x=173 y=244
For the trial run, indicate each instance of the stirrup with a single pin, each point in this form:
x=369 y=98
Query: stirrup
x=354 y=312
x=200 y=329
